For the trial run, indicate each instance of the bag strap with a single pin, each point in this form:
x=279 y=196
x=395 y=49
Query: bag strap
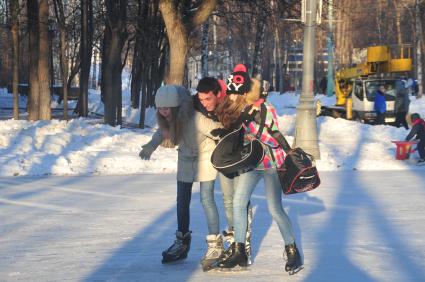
x=281 y=140
x=263 y=116
x=276 y=134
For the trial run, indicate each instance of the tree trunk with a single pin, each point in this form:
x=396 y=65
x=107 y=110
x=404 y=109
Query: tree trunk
x=178 y=40
x=178 y=23
x=60 y=17
x=43 y=63
x=136 y=75
x=85 y=53
x=204 y=49
x=14 y=11
x=257 y=62
x=33 y=87
x=114 y=38
x=136 y=68
x=93 y=78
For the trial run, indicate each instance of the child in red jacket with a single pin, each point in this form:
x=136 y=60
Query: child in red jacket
x=418 y=130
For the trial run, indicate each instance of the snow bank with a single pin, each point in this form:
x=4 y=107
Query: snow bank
x=83 y=146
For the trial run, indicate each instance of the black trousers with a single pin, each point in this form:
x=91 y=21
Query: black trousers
x=184 y=195
x=400 y=120
x=421 y=149
x=380 y=118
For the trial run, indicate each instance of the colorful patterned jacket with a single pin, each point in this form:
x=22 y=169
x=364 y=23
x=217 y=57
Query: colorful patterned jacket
x=272 y=146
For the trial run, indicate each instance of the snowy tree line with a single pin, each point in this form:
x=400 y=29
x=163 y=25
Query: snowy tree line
x=87 y=43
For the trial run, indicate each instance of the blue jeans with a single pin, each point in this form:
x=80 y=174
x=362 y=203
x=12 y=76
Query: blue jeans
x=184 y=194
x=227 y=189
x=245 y=185
x=210 y=206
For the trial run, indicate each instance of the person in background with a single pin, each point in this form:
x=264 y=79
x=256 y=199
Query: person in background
x=380 y=106
x=401 y=106
x=418 y=131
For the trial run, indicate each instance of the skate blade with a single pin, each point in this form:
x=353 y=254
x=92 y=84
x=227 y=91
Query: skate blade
x=173 y=260
x=235 y=269
x=209 y=265
x=296 y=270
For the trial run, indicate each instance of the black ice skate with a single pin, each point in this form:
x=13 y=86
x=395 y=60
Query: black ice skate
x=294 y=263
x=178 y=250
x=237 y=257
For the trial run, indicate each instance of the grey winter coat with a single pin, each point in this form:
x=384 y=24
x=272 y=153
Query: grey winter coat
x=402 y=100
x=196 y=144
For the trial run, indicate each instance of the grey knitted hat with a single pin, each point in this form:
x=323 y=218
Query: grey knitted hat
x=167 y=96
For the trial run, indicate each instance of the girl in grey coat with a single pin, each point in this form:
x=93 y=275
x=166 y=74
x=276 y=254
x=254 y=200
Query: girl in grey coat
x=179 y=124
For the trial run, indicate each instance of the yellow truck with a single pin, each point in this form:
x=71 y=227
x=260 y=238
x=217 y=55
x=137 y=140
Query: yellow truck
x=355 y=87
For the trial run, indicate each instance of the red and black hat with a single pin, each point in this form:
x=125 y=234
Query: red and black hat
x=239 y=81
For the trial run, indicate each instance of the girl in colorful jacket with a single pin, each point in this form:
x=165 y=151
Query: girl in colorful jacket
x=231 y=111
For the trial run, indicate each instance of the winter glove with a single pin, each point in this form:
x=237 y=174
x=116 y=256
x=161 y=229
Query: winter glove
x=146 y=152
x=247 y=116
x=219 y=132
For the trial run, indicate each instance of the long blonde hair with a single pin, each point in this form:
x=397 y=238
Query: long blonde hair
x=229 y=111
x=173 y=126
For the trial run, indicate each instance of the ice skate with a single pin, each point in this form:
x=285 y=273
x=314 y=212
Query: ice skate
x=248 y=236
x=237 y=257
x=294 y=263
x=179 y=249
x=214 y=252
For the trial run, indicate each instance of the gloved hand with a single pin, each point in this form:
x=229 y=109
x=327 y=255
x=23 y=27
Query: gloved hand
x=219 y=132
x=248 y=115
x=146 y=152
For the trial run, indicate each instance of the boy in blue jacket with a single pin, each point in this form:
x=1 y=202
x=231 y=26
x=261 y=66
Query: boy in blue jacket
x=380 y=106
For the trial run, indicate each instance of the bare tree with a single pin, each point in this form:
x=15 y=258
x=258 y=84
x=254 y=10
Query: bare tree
x=14 y=12
x=33 y=91
x=85 y=54
x=39 y=78
x=180 y=18
x=113 y=43
x=60 y=17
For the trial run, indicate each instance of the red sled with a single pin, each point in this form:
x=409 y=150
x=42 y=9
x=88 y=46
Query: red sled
x=403 y=150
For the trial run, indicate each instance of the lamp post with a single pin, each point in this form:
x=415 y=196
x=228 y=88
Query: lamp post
x=306 y=127
x=330 y=79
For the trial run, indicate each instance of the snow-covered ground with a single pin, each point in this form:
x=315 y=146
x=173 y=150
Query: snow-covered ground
x=84 y=146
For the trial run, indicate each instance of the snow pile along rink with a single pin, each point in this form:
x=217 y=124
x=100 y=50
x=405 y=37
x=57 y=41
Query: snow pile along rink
x=82 y=146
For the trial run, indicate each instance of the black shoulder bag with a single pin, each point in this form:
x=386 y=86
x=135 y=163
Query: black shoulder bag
x=298 y=173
